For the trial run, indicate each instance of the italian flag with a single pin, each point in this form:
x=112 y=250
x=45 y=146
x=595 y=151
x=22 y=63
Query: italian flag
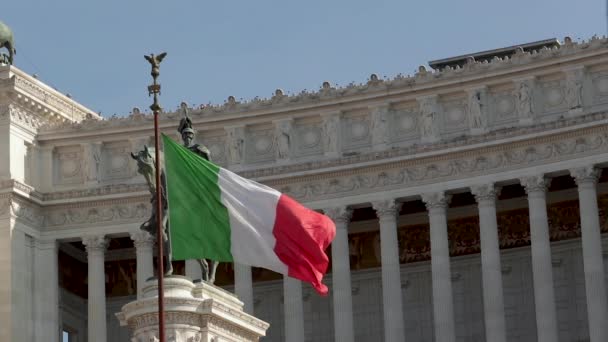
x=216 y=214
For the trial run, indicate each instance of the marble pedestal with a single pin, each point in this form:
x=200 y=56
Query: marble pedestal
x=194 y=312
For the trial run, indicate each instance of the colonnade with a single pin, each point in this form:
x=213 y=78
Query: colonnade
x=443 y=304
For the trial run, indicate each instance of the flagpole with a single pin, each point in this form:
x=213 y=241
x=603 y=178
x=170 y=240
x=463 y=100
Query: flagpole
x=154 y=89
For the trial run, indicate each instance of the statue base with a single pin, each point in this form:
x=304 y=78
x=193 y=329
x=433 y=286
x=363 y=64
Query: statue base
x=194 y=312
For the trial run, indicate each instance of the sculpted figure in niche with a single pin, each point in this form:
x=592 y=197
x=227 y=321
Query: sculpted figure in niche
x=525 y=100
x=330 y=134
x=283 y=140
x=235 y=146
x=428 y=118
x=574 y=93
x=379 y=126
x=475 y=111
x=91 y=161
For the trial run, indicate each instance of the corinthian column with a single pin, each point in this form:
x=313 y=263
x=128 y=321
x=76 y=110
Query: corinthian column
x=443 y=304
x=391 y=280
x=542 y=267
x=96 y=247
x=342 y=291
x=144 y=242
x=493 y=302
x=294 y=310
x=593 y=264
x=46 y=291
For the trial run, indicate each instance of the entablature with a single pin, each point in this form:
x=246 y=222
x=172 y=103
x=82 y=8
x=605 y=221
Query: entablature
x=437 y=111
x=47 y=104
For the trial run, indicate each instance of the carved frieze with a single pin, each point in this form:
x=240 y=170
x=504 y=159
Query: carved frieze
x=18 y=115
x=114 y=161
x=599 y=82
x=20 y=209
x=403 y=125
x=129 y=212
x=217 y=146
x=503 y=107
x=553 y=96
x=68 y=165
x=431 y=170
x=454 y=116
x=260 y=144
x=356 y=132
x=308 y=138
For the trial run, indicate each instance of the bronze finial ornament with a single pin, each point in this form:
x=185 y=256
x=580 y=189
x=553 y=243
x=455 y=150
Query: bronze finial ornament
x=154 y=89
x=7 y=41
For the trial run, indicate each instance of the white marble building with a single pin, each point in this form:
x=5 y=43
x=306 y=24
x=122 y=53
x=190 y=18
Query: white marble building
x=469 y=202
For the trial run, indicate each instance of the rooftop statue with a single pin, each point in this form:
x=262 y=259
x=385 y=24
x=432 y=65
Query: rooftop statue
x=6 y=41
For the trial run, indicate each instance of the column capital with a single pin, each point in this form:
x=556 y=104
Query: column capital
x=95 y=243
x=485 y=192
x=585 y=175
x=386 y=208
x=436 y=200
x=339 y=214
x=535 y=184
x=142 y=239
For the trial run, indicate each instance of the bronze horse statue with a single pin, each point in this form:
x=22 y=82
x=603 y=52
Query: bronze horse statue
x=6 y=41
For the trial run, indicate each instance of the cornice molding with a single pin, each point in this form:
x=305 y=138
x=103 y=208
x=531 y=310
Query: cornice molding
x=516 y=134
x=465 y=164
x=327 y=97
x=41 y=98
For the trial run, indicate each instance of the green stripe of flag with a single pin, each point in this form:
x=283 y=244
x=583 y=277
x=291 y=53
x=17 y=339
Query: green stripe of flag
x=199 y=223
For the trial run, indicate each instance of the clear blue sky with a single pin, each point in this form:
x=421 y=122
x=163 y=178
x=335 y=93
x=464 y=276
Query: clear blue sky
x=94 y=49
